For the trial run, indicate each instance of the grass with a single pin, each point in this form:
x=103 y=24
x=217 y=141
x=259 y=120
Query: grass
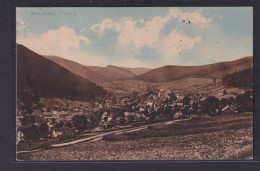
x=221 y=145
x=196 y=125
x=24 y=146
x=243 y=153
x=201 y=138
x=203 y=122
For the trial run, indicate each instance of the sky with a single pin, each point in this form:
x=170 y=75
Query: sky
x=138 y=36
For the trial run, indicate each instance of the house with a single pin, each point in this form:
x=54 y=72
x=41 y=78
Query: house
x=203 y=99
x=19 y=136
x=228 y=111
x=178 y=115
x=138 y=117
x=180 y=104
x=149 y=104
x=58 y=133
x=105 y=120
x=18 y=121
x=141 y=109
x=48 y=116
x=61 y=116
x=54 y=112
x=180 y=97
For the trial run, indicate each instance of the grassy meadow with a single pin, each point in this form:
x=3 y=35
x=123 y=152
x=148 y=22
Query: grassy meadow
x=201 y=138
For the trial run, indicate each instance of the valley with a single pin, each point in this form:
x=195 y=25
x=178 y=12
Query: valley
x=81 y=101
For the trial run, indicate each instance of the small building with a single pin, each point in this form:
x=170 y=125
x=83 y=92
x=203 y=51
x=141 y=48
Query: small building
x=49 y=118
x=138 y=117
x=106 y=119
x=228 y=111
x=203 y=99
x=178 y=115
x=180 y=97
x=179 y=105
x=141 y=109
x=61 y=116
x=149 y=104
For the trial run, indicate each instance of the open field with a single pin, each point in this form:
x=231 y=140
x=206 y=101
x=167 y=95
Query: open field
x=226 y=137
x=196 y=125
x=126 y=87
x=186 y=85
x=201 y=85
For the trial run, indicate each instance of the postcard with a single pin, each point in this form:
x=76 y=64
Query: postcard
x=135 y=83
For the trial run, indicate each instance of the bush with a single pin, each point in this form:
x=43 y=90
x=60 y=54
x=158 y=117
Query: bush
x=58 y=125
x=80 y=122
x=44 y=130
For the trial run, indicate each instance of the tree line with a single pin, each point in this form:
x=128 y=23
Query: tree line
x=242 y=78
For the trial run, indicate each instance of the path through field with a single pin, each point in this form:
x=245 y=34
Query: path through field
x=118 y=132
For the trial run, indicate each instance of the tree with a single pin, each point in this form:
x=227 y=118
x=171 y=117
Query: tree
x=243 y=102
x=224 y=102
x=59 y=125
x=225 y=92
x=122 y=114
x=153 y=115
x=44 y=130
x=68 y=124
x=128 y=108
x=172 y=98
x=211 y=105
x=167 y=111
x=186 y=100
x=80 y=122
x=53 y=121
x=29 y=105
x=130 y=118
x=195 y=107
x=185 y=111
x=242 y=78
x=230 y=100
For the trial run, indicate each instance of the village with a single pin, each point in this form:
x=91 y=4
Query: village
x=117 y=112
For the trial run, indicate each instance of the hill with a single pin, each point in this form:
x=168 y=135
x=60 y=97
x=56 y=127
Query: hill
x=51 y=80
x=79 y=69
x=183 y=86
x=216 y=70
x=112 y=72
x=98 y=74
x=200 y=85
x=137 y=71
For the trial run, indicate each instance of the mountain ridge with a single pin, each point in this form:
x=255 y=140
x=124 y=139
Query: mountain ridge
x=174 y=72
x=97 y=74
x=168 y=73
x=52 y=80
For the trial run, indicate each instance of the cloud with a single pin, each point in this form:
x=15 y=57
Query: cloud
x=146 y=35
x=194 y=17
x=54 y=41
x=137 y=34
x=106 y=24
x=133 y=36
x=175 y=42
x=63 y=42
x=130 y=33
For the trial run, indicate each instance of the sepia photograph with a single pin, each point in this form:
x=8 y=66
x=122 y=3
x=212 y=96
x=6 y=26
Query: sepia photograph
x=134 y=83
